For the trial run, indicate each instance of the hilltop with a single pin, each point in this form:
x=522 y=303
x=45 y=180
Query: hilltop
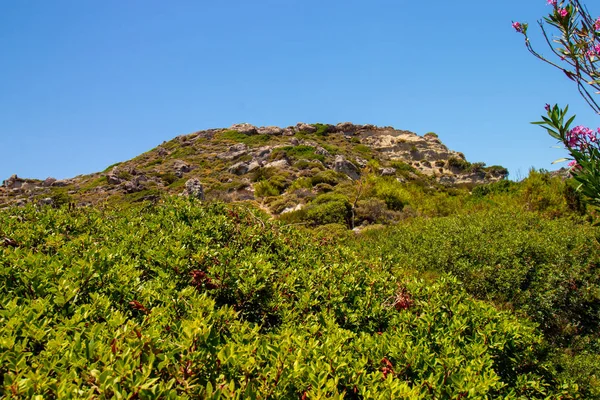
x=284 y=169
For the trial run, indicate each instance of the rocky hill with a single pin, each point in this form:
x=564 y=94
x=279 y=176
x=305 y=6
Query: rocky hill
x=283 y=168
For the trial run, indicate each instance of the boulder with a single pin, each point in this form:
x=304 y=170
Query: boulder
x=233 y=152
x=246 y=129
x=193 y=188
x=161 y=151
x=254 y=164
x=278 y=164
x=346 y=167
x=48 y=182
x=14 y=182
x=321 y=151
x=298 y=207
x=302 y=127
x=388 y=171
x=181 y=168
x=239 y=168
x=270 y=130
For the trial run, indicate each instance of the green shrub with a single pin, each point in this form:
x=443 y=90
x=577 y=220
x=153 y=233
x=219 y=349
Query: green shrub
x=459 y=163
x=265 y=189
x=329 y=177
x=237 y=137
x=298 y=152
x=183 y=299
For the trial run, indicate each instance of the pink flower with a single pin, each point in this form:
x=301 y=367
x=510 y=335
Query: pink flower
x=597 y=24
x=551 y=2
x=518 y=27
x=562 y=12
x=547 y=107
x=573 y=165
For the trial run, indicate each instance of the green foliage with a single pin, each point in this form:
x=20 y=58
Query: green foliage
x=265 y=189
x=459 y=163
x=193 y=300
x=238 y=137
x=298 y=152
x=168 y=178
x=329 y=208
x=329 y=177
x=402 y=166
x=545 y=269
x=322 y=129
x=363 y=149
x=503 y=186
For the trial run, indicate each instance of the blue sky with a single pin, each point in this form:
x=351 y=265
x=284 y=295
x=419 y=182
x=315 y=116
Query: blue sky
x=86 y=84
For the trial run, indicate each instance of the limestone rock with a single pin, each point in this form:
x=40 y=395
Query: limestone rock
x=388 y=171
x=239 y=168
x=14 y=182
x=254 y=164
x=181 y=168
x=321 y=151
x=270 y=130
x=302 y=127
x=193 y=188
x=346 y=167
x=246 y=129
x=278 y=164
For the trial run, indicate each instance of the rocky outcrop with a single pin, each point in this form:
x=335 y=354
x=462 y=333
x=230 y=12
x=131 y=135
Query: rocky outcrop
x=180 y=168
x=193 y=188
x=238 y=168
x=14 y=182
x=246 y=129
x=346 y=167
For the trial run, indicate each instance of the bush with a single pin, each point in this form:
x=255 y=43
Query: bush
x=459 y=164
x=265 y=189
x=329 y=177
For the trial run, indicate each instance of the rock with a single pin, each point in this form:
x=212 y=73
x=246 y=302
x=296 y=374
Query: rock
x=278 y=164
x=346 y=167
x=113 y=179
x=361 y=162
x=254 y=164
x=270 y=130
x=161 y=151
x=48 y=182
x=289 y=131
x=193 y=188
x=14 y=182
x=238 y=147
x=298 y=207
x=234 y=152
x=262 y=152
x=321 y=151
x=47 y=201
x=239 y=168
x=294 y=142
x=347 y=127
x=246 y=129
x=388 y=171
x=302 y=127
x=60 y=183
x=181 y=168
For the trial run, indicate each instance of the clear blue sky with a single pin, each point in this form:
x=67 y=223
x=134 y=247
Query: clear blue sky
x=84 y=84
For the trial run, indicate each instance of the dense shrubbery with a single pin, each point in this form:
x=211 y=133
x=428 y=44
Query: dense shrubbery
x=212 y=301
x=548 y=270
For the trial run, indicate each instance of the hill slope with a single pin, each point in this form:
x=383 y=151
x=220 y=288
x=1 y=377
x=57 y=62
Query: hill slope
x=245 y=162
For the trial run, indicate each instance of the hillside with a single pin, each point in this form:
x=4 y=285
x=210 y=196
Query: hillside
x=284 y=169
